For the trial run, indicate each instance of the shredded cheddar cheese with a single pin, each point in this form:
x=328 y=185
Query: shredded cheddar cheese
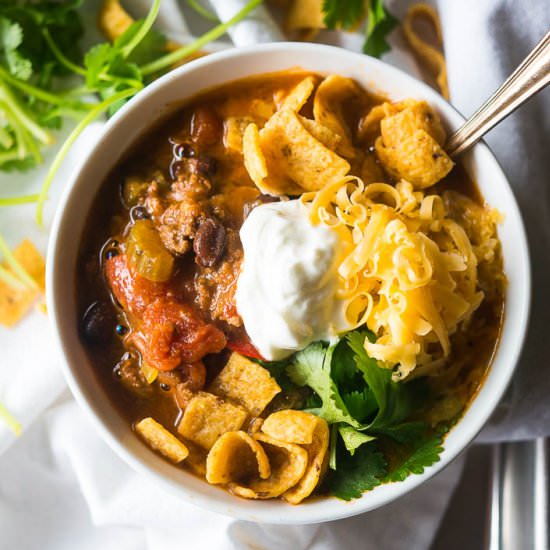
x=409 y=270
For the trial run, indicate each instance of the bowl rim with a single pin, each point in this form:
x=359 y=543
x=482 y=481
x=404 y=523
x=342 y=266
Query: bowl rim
x=283 y=513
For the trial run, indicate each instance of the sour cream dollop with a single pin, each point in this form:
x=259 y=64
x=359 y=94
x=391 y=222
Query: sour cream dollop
x=286 y=292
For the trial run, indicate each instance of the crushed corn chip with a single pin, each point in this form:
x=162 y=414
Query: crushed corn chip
x=409 y=146
x=236 y=457
x=296 y=159
x=317 y=452
x=207 y=417
x=16 y=300
x=234 y=129
x=246 y=383
x=299 y=95
x=418 y=159
x=288 y=464
x=290 y=426
x=331 y=96
x=161 y=440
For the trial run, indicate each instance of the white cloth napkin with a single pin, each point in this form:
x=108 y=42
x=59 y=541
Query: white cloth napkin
x=61 y=486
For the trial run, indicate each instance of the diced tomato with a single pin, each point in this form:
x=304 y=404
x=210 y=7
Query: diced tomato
x=166 y=332
x=245 y=347
x=171 y=333
x=133 y=292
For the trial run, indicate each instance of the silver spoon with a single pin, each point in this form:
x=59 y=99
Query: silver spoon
x=532 y=75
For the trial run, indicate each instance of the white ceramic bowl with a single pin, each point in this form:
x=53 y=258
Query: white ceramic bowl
x=129 y=124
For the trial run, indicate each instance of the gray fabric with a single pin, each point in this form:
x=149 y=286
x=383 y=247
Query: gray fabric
x=484 y=43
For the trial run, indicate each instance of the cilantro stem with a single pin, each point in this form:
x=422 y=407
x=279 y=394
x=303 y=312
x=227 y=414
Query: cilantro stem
x=62 y=153
x=9 y=101
x=14 y=201
x=18 y=130
x=6 y=140
x=9 y=420
x=193 y=4
x=66 y=62
x=143 y=29
x=130 y=82
x=38 y=93
x=9 y=155
x=175 y=56
x=17 y=268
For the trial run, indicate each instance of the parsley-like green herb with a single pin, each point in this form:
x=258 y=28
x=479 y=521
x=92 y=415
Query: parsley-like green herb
x=353 y=438
x=380 y=22
x=35 y=37
x=346 y=15
x=343 y=14
x=312 y=367
x=364 y=406
x=357 y=474
x=425 y=454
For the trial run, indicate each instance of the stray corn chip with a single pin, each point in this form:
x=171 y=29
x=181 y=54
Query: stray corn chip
x=161 y=440
x=207 y=417
x=28 y=257
x=331 y=95
x=418 y=159
x=299 y=95
x=430 y=57
x=246 y=383
x=293 y=154
x=291 y=426
x=113 y=19
x=17 y=299
x=236 y=457
x=306 y=15
x=254 y=159
x=234 y=129
x=317 y=452
x=288 y=464
x=417 y=115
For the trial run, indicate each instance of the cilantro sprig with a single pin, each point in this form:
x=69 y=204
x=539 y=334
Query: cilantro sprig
x=41 y=84
x=365 y=408
x=346 y=15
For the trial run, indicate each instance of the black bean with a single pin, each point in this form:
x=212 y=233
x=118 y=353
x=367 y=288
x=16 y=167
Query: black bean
x=139 y=213
x=165 y=387
x=96 y=326
x=209 y=243
x=111 y=253
x=184 y=150
x=121 y=330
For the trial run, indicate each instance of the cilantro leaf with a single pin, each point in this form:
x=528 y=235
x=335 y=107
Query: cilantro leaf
x=380 y=22
x=151 y=47
x=395 y=400
x=407 y=432
x=361 y=404
x=353 y=438
x=347 y=14
x=11 y=37
x=338 y=14
x=357 y=474
x=311 y=367
x=425 y=454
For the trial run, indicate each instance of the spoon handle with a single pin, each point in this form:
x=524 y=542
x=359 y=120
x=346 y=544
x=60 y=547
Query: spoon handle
x=532 y=75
